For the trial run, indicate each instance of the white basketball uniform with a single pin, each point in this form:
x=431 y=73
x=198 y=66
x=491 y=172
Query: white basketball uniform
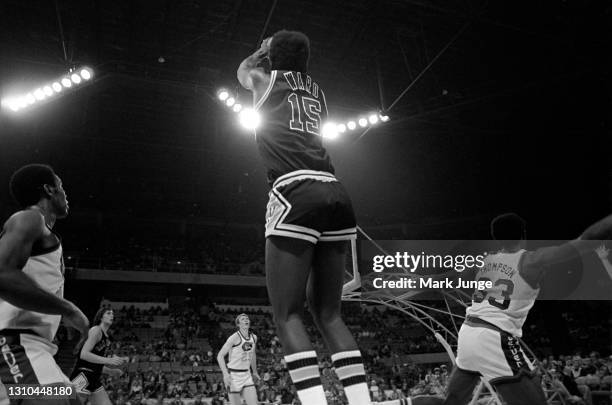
x=25 y=336
x=488 y=340
x=239 y=364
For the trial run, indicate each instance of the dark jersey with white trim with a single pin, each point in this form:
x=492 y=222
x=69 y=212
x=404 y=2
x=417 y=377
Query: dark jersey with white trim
x=100 y=349
x=293 y=111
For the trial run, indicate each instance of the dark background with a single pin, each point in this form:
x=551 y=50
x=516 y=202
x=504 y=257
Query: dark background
x=513 y=115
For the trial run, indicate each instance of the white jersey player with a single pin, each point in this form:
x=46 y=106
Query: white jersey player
x=237 y=376
x=488 y=344
x=32 y=281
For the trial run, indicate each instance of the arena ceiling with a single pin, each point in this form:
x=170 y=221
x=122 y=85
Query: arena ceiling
x=513 y=93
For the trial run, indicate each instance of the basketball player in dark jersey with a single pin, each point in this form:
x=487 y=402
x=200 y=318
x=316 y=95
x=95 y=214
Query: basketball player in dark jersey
x=32 y=283
x=93 y=360
x=309 y=216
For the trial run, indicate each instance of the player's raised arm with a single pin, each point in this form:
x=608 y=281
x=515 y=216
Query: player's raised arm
x=536 y=262
x=250 y=75
x=20 y=233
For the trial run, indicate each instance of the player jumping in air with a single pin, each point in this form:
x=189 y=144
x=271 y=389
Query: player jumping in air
x=309 y=216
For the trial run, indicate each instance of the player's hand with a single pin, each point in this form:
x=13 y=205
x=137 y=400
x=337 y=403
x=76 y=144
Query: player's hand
x=77 y=319
x=256 y=378
x=115 y=361
x=226 y=380
x=265 y=45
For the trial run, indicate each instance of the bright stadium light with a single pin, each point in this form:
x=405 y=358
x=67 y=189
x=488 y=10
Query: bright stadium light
x=29 y=97
x=363 y=122
x=39 y=94
x=330 y=130
x=249 y=118
x=384 y=117
x=351 y=125
x=10 y=103
x=237 y=107
x=223 y=94
x=85 y=74
x=230 y=101
x=341 y=128
x=373 y=119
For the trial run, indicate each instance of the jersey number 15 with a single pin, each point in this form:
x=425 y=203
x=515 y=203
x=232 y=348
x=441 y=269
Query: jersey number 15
x=305 y=114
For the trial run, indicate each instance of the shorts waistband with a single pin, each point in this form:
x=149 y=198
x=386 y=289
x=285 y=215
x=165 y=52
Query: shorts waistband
x=236 y=370
x=476 y=322
x=301 y=175
x=15 y=332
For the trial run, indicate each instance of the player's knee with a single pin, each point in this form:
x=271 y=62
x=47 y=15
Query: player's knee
x=326 y=319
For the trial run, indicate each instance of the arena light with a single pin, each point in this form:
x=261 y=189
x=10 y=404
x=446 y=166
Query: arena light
x=373 y=118
x=230 y=101
x=363 y=122
x=237 y=107
x=384 y=117
x=222 y=94
x=351 y=125
x=329 y=130
x=341 y=128
x=76 y=79
x=70 y=80
x=86 y=74
x=249 y=118
x=39 y=94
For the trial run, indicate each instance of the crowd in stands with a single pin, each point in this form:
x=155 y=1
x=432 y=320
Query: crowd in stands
x=172 y=358
x=222 y=252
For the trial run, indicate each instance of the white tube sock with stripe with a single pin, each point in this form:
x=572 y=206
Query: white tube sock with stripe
x=303 y=368
x=350 y=371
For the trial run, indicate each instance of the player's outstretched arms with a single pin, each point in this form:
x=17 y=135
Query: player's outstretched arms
x=600 y=230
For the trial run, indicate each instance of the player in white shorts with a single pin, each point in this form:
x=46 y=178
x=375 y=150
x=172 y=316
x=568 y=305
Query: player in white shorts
x=237 y=376
x=488 y=344
x=32 y=283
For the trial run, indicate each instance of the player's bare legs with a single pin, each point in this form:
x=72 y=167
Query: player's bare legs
x=325 y=295
x=234 y=398
x=288 y=264
x=325 y=299
x=460 y=387
x=526 y=390
x=250 y=395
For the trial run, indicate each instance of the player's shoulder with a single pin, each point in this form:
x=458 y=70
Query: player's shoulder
x=25 y=221
x=234 y=338
x=95 y=331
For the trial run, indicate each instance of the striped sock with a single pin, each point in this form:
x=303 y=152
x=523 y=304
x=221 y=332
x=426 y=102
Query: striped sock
x=404 y=401
x=350 y=371
x=304 y=371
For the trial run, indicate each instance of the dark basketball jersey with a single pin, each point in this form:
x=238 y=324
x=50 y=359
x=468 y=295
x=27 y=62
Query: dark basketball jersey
x=100 y=349
x=293 y=111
